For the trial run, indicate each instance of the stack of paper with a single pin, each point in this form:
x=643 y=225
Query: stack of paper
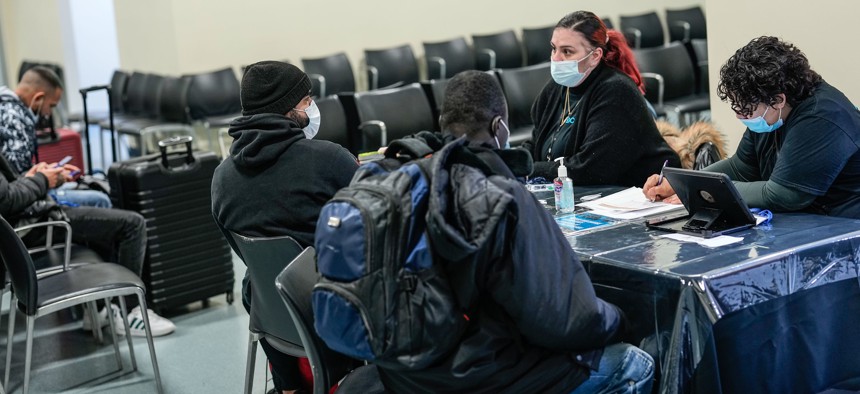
x=628 y=204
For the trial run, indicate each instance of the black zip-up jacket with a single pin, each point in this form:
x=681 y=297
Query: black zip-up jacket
x=614 y=140
x=536 y=325
x=17 y=193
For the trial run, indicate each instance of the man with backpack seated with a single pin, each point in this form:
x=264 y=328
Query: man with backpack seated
x=277 y=177
x=475 y=289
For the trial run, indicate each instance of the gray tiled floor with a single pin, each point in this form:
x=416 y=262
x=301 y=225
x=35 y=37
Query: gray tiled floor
x=206 y=354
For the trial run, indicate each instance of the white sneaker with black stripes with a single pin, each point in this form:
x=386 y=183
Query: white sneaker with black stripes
x=159 y=325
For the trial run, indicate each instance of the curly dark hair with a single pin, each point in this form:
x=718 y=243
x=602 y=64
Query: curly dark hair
x=761 y=70
x=472 y=100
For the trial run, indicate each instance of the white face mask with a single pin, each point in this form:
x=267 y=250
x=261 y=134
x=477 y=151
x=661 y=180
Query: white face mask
x=314 y=120
x=35 y=109
x=566 y=72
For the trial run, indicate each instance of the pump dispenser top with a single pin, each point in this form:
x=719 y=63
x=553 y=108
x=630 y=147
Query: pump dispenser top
x=562 y=170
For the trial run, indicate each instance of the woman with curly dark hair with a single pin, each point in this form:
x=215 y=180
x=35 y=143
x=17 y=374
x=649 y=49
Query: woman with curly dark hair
x=592 y=113
x=801 y=148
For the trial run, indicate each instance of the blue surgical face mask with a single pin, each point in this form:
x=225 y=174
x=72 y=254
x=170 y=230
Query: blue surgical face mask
x=759 y=125
x=566 y=72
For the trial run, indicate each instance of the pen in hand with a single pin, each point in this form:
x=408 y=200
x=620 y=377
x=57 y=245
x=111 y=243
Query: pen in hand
x=660 y=179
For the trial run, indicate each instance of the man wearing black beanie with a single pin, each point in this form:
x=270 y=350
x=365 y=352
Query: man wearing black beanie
x=277 y=178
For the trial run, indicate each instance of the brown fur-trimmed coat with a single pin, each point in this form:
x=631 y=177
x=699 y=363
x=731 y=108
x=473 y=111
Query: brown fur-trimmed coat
x=686 y=142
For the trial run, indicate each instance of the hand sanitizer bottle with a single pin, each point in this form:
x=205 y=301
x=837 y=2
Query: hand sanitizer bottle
x=563 y=187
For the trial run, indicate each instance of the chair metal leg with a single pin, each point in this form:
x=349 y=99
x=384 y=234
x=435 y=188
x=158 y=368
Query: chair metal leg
x=252 y=359
x=113 y=333
x=28 y=356
x=9 y=334
x=97 y=326
x=124 y=314
x=145 y=313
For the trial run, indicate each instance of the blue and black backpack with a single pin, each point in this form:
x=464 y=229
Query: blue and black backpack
x=382 y=296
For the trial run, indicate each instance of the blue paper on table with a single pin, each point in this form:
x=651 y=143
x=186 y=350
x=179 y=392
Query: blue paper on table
x=582 y=221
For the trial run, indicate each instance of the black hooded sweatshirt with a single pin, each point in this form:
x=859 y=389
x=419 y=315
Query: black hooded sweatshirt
x=275 y=181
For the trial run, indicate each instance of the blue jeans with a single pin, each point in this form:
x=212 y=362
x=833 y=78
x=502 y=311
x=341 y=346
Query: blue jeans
x=67 y=195
x=624 y=368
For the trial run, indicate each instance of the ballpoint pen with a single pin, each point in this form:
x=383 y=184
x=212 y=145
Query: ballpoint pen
x=660 y=179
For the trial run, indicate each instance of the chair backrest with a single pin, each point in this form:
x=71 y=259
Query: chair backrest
x=265 y=259
x=393 y=66
x=333 y=125
x=504 y=45
x=213 y=94
x=295 y=284
x=607 y=21
x=118 y=85
x=434 y=89
x=673 y=63
x=521 y=87
x=536 y=44
x=174 y=99
x=648 y=25
x=20 y=267
x=404 y=110
x=135 y=94
x=336 y=70
x=152 y=96
x=700 y=60
x=456 y=54
x=692 y=17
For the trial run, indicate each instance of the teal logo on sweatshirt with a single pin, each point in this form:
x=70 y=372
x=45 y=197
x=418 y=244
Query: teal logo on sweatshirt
x=569 y=120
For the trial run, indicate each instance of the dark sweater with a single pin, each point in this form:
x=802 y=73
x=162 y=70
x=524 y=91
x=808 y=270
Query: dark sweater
x=810 y=164
x=17 y=193
x=613 y=140
x=275 y=181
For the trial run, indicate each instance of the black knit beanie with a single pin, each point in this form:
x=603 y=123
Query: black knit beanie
x=273 y=87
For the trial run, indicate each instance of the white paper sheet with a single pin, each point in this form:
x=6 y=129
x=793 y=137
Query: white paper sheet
x=714 y=242
x=628 y=204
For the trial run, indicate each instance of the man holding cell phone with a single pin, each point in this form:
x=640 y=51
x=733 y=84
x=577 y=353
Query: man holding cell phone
x=36 y=95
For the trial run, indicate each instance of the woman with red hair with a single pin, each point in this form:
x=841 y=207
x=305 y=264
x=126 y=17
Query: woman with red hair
x=592 y=112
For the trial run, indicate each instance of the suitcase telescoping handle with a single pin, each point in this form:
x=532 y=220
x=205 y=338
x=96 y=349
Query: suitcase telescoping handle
x=179 y=139
x=84 y=92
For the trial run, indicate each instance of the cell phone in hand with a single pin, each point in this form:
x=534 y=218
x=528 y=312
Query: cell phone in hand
x=65 y=161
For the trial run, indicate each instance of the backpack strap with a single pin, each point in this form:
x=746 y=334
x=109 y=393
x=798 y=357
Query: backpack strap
x=412 y=148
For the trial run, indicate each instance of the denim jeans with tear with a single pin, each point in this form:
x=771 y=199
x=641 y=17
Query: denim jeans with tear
x=624 y=368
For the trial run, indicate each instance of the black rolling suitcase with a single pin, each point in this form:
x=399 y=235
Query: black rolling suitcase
x=187 y=258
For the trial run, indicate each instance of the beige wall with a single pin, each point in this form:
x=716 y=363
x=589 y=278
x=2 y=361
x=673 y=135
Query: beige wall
x=824 y=30
x=30 y=31
x=186 y=36
x=146 y=36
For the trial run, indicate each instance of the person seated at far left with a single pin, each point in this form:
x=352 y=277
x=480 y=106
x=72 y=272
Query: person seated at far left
x=37 y=93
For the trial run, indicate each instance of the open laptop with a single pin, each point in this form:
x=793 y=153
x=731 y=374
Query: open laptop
x=714 y=204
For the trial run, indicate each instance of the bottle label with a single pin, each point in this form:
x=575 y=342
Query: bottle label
x=557 y=187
